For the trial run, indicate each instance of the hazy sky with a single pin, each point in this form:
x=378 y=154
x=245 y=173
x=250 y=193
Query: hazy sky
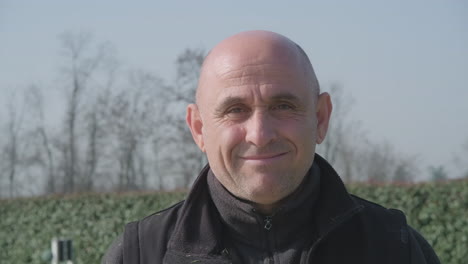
x=405 y=62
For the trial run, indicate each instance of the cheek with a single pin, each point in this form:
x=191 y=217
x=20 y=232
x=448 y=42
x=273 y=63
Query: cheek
x=221 y=141
x=301 y=133
x=230 y=138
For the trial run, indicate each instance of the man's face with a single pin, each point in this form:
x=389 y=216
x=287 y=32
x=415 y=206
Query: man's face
x=258 y=125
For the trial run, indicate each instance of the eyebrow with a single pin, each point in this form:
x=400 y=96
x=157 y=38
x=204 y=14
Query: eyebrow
x=286 y=96
x=232 y=100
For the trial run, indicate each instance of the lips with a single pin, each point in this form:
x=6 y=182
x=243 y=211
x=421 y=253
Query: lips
x=264 y=157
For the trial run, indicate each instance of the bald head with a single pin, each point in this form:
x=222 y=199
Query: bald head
x=259 y=116
x=254 y=47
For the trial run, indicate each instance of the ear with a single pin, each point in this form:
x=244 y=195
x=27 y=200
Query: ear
x=324 y=110
x=195 y=124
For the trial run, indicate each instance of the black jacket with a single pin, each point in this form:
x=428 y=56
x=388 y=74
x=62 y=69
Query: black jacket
x=346 y=229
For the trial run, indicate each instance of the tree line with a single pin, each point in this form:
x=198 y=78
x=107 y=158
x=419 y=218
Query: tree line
x=120 y=129
x=124 y=130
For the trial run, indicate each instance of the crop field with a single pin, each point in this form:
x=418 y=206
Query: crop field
x=439 y=211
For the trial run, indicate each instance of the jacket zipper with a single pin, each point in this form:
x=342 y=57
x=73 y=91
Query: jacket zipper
x=268 y=235
x=268 y=225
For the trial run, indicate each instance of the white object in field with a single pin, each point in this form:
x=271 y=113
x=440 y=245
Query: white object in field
x=62 y=251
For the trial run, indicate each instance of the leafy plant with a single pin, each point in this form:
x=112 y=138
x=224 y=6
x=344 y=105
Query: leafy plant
x=439 y=211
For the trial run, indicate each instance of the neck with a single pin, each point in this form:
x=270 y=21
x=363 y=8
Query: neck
x=286 y=218
x=266 y=209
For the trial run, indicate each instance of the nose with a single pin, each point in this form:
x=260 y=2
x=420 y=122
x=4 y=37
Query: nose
x=260 y=130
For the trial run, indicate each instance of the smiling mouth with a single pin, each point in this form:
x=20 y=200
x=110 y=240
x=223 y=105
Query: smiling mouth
x=264 y=157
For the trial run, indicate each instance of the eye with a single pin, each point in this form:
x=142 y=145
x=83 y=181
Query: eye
x=235 y=110
x=283 y=106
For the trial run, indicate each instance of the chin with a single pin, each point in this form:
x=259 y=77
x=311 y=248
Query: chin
x=265 y=196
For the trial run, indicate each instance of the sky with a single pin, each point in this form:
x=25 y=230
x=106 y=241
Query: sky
x=405 y=63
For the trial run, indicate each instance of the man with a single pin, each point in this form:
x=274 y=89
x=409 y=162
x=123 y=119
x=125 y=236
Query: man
x=265 y=196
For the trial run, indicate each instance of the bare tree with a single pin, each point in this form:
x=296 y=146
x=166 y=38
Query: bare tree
x=11 y=150
x=350 y=151
x=92 y=151
x=345 y=136
x=129 y=132
x=189 y=157
x=132 y=120
x=82 y=63
x=438 y=173
x=44 y=157
x=94 y=127
x=406 y=169
x=460 y=159
x=380 y=162
x=336 y=134
x=12 y=147
x=188 y=66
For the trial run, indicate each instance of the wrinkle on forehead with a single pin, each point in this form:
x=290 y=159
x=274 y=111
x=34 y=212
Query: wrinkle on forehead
x=253 y=55
x=259 y=74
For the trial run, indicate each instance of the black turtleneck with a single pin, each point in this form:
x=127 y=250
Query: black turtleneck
x=251 y=237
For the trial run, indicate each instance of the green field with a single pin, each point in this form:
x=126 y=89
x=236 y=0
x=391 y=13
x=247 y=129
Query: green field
x=438 y=211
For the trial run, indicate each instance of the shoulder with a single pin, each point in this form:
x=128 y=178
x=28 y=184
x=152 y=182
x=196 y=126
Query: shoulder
x=379 y=222
x=368 y=204
x=380 y=212
x=421 y=249
x=395 y=223
x=160 y=224
x=161 y=221
x=114 y=254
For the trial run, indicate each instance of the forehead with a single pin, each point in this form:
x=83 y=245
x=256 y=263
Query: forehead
x=257 y=74
x=249 y=77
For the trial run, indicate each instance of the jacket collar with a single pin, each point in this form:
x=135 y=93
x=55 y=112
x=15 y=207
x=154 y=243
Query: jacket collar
x=242 y=221
x=198 y=232
x=335 y=205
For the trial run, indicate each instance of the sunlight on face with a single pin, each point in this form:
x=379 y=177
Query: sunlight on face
x=259 y=125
